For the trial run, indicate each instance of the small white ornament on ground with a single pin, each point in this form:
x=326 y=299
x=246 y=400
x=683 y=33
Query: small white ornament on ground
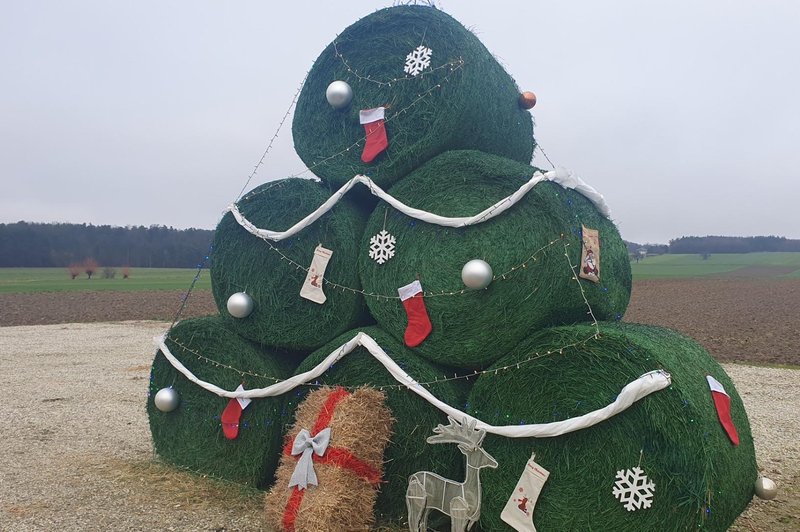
x=381 y=247
x=418 y=60
x=633 y=489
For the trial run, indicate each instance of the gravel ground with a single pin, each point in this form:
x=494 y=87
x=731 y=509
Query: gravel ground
x=76 y=454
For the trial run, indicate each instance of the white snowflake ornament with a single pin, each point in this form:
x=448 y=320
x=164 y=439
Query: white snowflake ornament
x=633 y=489
x=381 y=247
x=418 y=60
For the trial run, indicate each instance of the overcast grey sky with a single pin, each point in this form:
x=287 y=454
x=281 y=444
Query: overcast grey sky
x=684 y=114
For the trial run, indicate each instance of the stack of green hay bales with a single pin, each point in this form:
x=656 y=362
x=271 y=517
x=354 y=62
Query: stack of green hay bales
x=458 y=143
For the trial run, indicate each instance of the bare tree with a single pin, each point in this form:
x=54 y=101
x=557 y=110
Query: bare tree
x=90 y=267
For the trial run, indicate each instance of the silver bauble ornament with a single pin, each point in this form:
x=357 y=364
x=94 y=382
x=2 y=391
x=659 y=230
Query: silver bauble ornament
x=476 y=274
x=765 y=488
x=240 y=305
x=167 y=399
x=339 y=94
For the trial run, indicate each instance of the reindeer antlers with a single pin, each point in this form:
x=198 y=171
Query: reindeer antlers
x=461 y=433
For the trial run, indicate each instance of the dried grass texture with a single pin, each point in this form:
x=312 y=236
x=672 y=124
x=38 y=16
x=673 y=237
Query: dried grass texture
x=361 y=424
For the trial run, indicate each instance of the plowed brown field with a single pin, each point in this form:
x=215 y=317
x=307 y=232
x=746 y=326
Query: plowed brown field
x=735 y=318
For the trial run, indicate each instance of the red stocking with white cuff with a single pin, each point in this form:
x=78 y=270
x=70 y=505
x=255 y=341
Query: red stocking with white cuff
x=232 y=414
x=373 y=122
x=419 y=325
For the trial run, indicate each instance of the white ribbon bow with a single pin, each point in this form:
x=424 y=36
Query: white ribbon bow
x=303 y=473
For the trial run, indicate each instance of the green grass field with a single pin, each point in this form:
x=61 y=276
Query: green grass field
x=757 y=265
x=21 y=280
x=769 y=265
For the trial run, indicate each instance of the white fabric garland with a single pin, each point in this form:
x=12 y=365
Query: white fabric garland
x=560 y=176
x=632 y=392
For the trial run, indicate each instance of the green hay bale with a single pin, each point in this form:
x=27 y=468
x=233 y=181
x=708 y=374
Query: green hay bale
x=477 y=327
x=415 y=418
x=476 y=107
x=243 y=262
x=702 y=480
x=191 y=436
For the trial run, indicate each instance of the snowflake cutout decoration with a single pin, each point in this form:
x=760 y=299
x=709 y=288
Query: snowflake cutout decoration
x=381 y=247
x=633 y=489
x=418 y=60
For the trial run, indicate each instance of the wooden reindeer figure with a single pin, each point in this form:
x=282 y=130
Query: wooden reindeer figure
x=460 y=500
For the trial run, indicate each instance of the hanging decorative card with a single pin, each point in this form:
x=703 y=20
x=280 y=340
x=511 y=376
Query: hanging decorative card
x=375 y=128
x=722 y=402
x=232 y=414
x=590 y=255
x=460 y=500
x=332 y=462
x=312 y=286
x=518 y=511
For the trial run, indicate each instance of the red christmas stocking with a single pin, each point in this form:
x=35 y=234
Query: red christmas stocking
x=722 y=402
x=373 y=121
x=419 y=325
x=232 y=414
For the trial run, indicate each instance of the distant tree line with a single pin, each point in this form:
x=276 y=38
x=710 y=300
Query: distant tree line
x=732 y=244
x=25 y=244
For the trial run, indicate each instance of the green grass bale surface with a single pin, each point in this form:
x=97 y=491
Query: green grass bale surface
x=191 y=436
x=415 y=418
x=479 y=326
x=702 y=480
x=473 y=106
x=272 y=272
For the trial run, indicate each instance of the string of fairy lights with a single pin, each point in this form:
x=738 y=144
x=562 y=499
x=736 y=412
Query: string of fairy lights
x=465 y=376
x=336 y=286
x=421 y=75
x=423 y=95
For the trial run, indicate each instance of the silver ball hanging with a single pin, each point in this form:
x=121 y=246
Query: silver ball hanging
x=240 y=305
x=765 y=488
x=339 y=94
x=167 y=399
x=476 y=274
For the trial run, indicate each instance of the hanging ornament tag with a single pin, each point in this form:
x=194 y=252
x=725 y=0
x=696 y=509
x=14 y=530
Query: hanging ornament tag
x=518 y=511
x=312 y=286
x=590 y=255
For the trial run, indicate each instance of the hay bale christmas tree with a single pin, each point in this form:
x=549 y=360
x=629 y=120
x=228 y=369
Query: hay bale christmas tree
x=468 y=260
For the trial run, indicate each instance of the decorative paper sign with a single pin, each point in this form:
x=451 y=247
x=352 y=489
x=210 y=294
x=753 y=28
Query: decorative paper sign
x=312 y=286
x=722 y=402
x=518 y=511
x=590 y=255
